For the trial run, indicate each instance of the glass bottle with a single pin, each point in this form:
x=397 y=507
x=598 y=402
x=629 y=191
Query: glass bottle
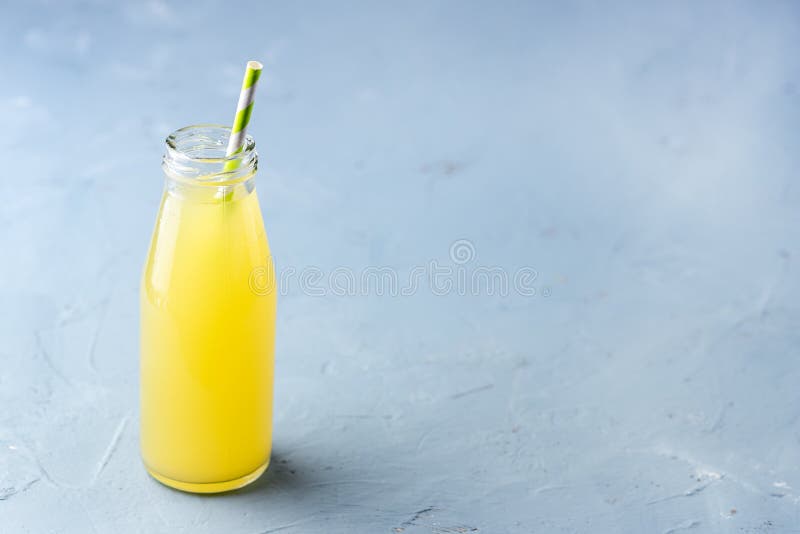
x=208 y=304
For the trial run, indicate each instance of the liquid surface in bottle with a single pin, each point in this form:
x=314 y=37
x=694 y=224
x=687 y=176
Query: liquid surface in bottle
x=207 y=335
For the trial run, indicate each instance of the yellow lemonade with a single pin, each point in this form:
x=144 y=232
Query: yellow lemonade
x=207 y=338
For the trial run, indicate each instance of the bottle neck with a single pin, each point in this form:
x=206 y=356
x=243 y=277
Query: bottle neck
x=195 y=164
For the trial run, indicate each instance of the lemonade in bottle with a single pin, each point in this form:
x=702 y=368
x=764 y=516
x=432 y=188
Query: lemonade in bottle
x=207 y=321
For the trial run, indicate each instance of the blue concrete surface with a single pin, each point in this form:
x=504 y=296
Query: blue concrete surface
x=640 y=157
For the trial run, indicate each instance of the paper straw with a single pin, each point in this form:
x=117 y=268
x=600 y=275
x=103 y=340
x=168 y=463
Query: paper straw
x=243 y=111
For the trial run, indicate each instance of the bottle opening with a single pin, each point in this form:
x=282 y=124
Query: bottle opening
x=196 y=154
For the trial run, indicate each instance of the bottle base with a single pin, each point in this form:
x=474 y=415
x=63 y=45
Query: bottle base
x=210 y=487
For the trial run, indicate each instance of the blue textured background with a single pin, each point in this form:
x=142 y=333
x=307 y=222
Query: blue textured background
x=642 y=157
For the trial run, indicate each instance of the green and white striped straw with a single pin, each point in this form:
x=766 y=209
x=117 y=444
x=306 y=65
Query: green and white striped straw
x=243 y=111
